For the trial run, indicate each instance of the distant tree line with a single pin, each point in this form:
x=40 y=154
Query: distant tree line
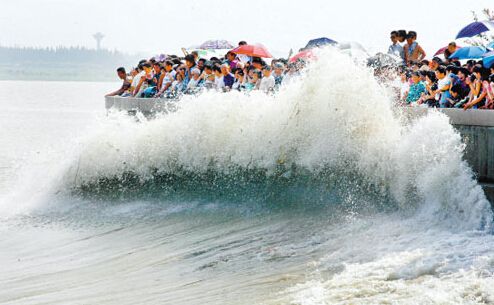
x=63 y=55
x=61 y=63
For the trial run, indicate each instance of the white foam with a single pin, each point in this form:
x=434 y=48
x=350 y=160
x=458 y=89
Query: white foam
x=336 y=115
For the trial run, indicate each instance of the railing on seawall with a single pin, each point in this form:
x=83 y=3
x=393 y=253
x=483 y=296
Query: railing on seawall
x=133 y=104
x=471 y=117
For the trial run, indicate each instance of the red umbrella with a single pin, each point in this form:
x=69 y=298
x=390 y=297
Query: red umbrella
x=305 y=54
x=252 y=50
x=441 y=50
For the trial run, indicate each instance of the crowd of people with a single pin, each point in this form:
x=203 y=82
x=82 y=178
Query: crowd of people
x=443 y=83
x=440 y=82
x=172 y=76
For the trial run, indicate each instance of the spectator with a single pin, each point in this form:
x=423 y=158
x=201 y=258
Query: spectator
x=228 y=78
x=208 y=77
x=196 y=81
x=239 y=80
x=405 y=85
x=258 y=63
x=124 y=89
x=190 y=63
x=443 y=84
x=401 y=36
x=231 y=60
x=450 y=50
x=395 y=48
x=168 y=76
x=146 y=80
x=254 y=82
x=242 y=57
x=267 y=82
x=219 y=84
x=157 y=74
x=178 y=84
x=416 y=90
x=200 y=64
x=429 y=98
x=413 y=51
x=279 y=73
x=485 y=97
x=435 y=63
x=455 y=99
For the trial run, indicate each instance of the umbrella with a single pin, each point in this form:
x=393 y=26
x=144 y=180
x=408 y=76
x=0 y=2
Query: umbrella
x=490 y=45
x=215 y=44
x=469 y=52
x=476 y=28
x=209 y=53
x=488 y=59
x=353 y=49
x=441 y=50
x=305 y=54
x=160 y=58
x=383 y=60
x=320 y=42
x=252 y=50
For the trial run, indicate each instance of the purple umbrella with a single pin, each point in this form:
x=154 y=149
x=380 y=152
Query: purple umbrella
x=476 y=28
x=216 y=44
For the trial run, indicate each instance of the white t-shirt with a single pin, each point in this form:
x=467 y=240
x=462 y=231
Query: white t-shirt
x=267 y=83
x=192 y=84
x=169 y=78
x=441 y=84
x=137 y=79
x=219 y=83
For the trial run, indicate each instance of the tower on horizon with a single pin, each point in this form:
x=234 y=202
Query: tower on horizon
x=98 y=37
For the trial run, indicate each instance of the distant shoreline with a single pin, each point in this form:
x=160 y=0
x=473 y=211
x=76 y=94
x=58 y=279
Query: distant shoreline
x=61 y=64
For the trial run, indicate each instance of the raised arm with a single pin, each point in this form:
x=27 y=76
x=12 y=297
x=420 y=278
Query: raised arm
x=422 y=53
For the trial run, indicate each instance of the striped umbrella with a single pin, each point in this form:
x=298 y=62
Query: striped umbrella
x=215 y=44
x=476 y=28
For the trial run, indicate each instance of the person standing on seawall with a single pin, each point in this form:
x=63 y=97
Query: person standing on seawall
x=413 y=51
x=395 y=48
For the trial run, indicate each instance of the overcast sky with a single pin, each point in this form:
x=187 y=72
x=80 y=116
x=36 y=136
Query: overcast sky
x=163 y=26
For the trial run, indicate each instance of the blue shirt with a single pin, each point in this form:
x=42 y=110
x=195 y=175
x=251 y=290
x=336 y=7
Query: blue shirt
x=397 y=50
x=415 y=92
x=228 y=80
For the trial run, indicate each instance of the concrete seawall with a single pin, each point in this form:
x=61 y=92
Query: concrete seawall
x=475 y=126
x=477 y=131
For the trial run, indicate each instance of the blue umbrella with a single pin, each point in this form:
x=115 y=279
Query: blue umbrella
x=320 y=42
x=476 y=28
x=490 y=45
x=488 y=59
x=469 y=52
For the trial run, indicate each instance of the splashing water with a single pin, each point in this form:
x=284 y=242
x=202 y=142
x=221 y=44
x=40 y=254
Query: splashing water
x=318 y=195
x=336 y=118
